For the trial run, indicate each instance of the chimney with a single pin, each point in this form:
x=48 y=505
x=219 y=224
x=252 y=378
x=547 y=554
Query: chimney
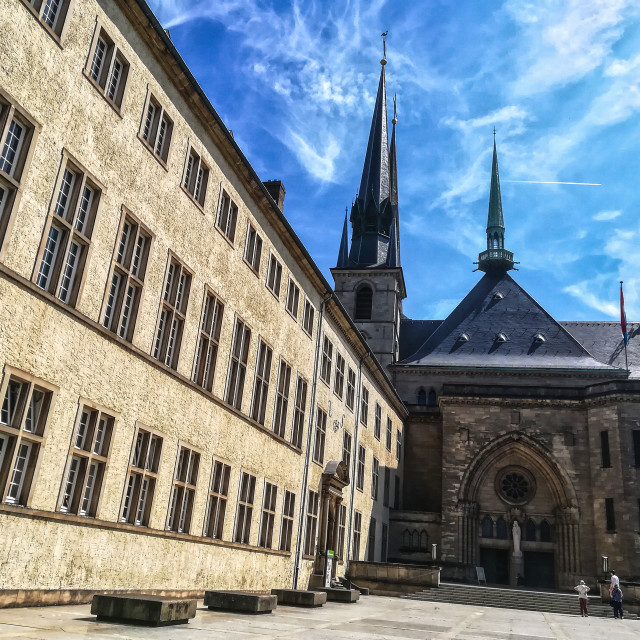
x=276 y=191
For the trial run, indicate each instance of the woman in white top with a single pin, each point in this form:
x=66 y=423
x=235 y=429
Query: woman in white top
x=582 y=590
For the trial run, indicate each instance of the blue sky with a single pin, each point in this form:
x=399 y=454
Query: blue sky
x=559 y=79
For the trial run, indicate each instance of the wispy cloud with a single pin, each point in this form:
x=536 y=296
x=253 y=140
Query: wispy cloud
x=607 y=215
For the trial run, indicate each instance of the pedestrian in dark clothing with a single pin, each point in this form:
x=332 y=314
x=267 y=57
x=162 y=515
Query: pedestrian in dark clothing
x=616 y=601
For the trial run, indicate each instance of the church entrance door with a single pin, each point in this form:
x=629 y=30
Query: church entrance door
x=539 y=569
x=496 y=564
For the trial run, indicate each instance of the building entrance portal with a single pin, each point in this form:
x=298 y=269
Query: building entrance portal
x=539 y=569
x=496 y=564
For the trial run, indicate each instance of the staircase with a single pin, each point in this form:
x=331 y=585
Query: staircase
x=514 y=598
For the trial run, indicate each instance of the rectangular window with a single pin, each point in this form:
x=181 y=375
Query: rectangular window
x=107 y=68
x=351 y=389
x=23 y=417
x=383 y=548
x=398 y=444
x=87 y=462
x=346 y=450
x=312 y=524
x=253 y=249
x=67 y=233
x=268 y=515
x=604 y=449
x=293 y=299
x=207 y=354
x=308 y=316
x=196 y=176
x=227 y=217
x=173 y=311
x=360 y=471
x=636 y=447
x=321 y=432
x=327 y=360
x=610 y=514
x=357 y=528
x=389 y=434
x=245 y=509
x=142 y=478
x=371 y=544
x=238 y=364
x=375 y=476
x=377 y=425
x=338 y=380
x=261 y=383
x=16 y=136
x=286 y=528
x=274 y=276
x=218 y=495
x=342 y=529
x=298 y=412
x=364 y=406
x=128 y=270
x=387 y=485
x=51 y=13
x=157 y=129
x=282 y=399
x=184 y=490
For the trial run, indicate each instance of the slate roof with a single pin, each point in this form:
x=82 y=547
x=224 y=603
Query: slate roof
x=499 y=305
x=413 y=334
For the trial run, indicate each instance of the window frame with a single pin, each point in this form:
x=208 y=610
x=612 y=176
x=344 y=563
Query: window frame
x=281 y=404
x=36 y=440
x=326 y=360
x=229 y=229
x=244 y=506
x=187 y=489
x=58 y=30
x=293 y=293
x=350 y=399
x=361 y=468
x=347 y=450
x=311 y=523
x=308 y=317
x=64 y=216
x=364 y=406
x=357 y=531
x=287 y=520
x=208 y=343
x=389 y=434
x=141 y=474
x=253 y=244
x=192 y=183
x=375 y=478
x=377 y=423
x=274 y=268
x=299 y=411
x=261 y=381
x=129 y=276
x=338 y=376
x=320 y=435
x=217 y=500
x=150 y=140
x=237 y=364
x=268 y=514
x=398 y=445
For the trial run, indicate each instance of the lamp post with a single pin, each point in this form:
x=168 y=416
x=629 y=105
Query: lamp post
x=605 y=565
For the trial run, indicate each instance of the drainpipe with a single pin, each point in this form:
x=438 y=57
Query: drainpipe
x=354 y=461
x=307 y=455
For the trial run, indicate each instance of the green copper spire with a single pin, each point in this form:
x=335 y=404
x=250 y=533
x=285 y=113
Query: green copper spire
x=496 y=257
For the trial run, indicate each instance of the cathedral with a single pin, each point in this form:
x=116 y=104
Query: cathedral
x=522 y=447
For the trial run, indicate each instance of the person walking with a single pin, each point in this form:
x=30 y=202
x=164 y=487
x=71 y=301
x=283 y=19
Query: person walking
x=582 y=590
x=614 y=580
x=616 y=601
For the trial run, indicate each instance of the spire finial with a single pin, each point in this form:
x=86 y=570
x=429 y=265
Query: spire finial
x=384 y=48
x=494 y=133
x=395 y=110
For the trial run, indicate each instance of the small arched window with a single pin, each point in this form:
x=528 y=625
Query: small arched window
x=545 y=531
x=530 y=530
x=364 y=300
x=487 y=527
x=415 y=541
x=424 y=541
x=422 y=396
x=433 y=400
x=406 y=539
x=501 y=529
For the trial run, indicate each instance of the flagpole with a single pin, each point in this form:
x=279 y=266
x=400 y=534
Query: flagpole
x=623 y=317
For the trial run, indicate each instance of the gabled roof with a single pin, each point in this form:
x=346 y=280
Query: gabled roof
x=499 y=325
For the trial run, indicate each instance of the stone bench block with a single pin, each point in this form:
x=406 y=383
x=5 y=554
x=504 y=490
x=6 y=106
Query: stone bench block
x=341 y=595
x=299 y=597
x=240 y=602
x=143 y=609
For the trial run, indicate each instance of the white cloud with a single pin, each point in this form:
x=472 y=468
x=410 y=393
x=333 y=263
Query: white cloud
x=318 y=162
x=583 y=291
x=607 y=215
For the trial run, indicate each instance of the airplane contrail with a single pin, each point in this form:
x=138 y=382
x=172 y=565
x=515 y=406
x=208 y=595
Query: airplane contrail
x=586 y=184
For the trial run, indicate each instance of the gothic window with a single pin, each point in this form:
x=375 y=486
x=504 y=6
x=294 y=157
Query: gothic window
x=432 y=399
x=530 y=530
x=422 y=396
x=415 y=541
x=486 y=527
x=406 y=539
x=424 y=541
x=501 y=529
x=545 y=531
x=364 y=300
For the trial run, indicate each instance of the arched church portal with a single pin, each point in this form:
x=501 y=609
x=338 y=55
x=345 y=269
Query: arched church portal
x=518 y=515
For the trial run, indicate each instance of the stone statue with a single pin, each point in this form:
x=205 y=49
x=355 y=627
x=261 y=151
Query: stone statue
x=516 y=536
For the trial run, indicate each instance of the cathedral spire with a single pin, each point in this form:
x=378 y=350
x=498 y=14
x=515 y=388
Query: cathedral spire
x=393 y=256
x=496 y=257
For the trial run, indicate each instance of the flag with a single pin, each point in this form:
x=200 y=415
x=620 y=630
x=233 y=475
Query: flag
x=623 y=317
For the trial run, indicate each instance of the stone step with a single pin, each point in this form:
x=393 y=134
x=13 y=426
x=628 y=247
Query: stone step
x=143 y=609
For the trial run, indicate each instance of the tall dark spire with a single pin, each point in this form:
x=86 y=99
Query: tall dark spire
x=393 y=256
x=496 y=257
x=343 y=253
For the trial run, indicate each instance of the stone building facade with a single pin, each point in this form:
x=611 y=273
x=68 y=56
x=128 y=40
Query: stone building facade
x=185 y=402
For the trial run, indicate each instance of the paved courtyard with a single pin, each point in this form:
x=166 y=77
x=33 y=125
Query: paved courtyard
x=373 y=618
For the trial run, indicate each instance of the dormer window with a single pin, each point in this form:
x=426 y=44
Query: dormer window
x=539 y=338
x=498 y=295
x=463 y=337
x=502 y=337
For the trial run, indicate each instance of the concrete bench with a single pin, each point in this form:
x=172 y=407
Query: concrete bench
x=240 y=602
x=143 y=609
x=340 y=595
x=299 y=597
